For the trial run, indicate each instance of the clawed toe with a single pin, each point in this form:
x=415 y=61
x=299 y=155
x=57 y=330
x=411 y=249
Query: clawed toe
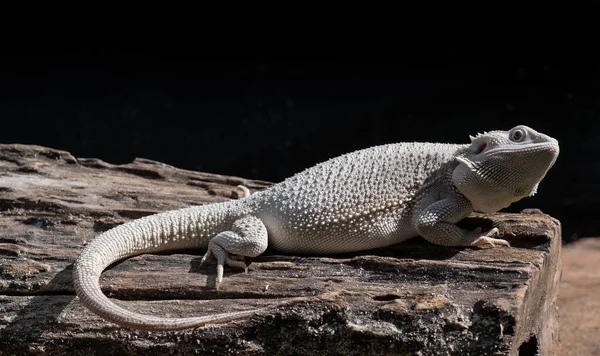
x=486 y=238
x=247 y=237
x=207 y=256
x=222 y=257
x=237 y=263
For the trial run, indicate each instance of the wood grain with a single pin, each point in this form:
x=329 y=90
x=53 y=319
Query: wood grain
x=408 y=298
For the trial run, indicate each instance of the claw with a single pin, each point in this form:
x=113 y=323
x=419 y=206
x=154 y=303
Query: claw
x=246 y=191
x=219 y=275
x=206 y=257
x=223 y=258
x=486 y=238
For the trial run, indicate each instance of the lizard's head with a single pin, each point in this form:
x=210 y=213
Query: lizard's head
x=499 y=168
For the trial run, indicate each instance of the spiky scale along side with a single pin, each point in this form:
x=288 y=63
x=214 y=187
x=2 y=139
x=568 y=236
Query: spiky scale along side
x=357 y=201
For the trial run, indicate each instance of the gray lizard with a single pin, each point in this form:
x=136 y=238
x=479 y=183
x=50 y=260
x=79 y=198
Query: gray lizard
x=362 y=200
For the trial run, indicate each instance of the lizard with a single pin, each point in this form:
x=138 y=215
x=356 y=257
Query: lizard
x=369 y=198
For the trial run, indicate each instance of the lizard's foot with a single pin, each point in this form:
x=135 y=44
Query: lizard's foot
x=209 y=256
x=486 y=238
x=223 y=258
x=246 y=191
x=247 y=237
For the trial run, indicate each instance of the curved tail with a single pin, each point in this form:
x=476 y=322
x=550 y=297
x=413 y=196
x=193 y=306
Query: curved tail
x=179 y=229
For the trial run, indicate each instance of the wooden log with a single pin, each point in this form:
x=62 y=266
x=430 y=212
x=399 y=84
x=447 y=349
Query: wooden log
x=411 y=298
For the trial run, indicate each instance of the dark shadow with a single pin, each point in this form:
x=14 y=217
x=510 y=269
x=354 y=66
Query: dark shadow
x=40 y=314
x=529 y=347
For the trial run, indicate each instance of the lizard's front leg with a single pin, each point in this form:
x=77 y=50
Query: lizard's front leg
x=437 y=224
x=247 y=237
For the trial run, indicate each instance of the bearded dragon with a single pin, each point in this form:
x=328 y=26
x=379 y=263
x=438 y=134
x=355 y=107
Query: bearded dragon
x=370 y=198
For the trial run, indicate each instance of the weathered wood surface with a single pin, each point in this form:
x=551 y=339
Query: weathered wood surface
x=412 y=298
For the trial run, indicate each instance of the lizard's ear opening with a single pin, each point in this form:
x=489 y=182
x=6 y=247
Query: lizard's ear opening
x=478 y=144
x=478 y=147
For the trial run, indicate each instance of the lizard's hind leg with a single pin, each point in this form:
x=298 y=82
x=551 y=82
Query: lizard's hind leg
x=247 y=237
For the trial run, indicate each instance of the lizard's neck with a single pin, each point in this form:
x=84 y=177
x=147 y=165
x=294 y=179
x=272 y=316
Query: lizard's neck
x=486 y=196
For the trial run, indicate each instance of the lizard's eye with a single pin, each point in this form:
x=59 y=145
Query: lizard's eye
x=518 y=135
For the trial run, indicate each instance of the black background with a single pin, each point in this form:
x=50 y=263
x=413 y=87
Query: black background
x=267 y=118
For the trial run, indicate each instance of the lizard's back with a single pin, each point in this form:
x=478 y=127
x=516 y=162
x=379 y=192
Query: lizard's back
x=360 y=199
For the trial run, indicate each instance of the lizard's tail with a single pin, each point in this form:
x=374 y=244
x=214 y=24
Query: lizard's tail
x=170 y=230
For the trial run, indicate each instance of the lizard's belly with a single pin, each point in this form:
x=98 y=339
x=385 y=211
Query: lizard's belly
x=307 y=236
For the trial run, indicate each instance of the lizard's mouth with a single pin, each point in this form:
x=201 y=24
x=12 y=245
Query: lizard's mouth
x=549 y=148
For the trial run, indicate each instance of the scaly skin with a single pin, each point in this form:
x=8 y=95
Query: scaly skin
x=366 y=199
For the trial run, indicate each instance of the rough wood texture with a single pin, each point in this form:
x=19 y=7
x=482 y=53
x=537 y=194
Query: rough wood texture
x=413 y=298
